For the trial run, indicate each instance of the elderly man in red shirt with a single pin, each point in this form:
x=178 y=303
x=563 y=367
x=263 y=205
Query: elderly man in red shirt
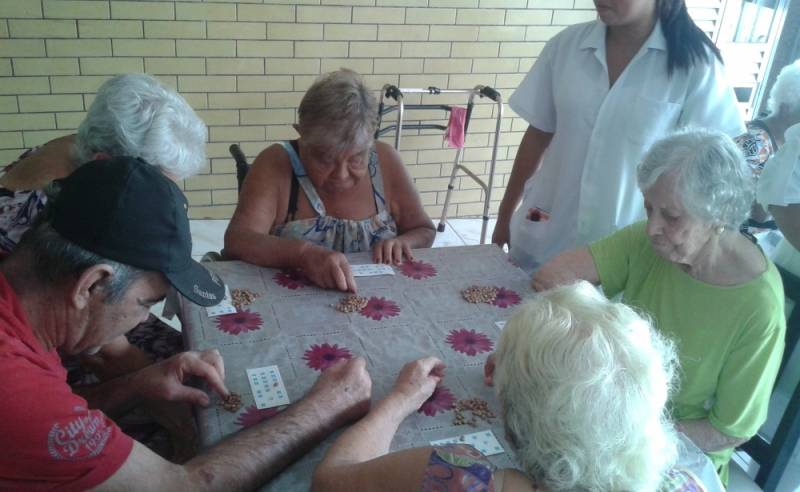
x=110 y=246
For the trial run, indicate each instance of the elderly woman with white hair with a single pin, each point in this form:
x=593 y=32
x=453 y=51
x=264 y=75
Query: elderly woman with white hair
x=582 y=384
x=334 y=190
x=772 y=147
x=705 y=284
x=131 y=115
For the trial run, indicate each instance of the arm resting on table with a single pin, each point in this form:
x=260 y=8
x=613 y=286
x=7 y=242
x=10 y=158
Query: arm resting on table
x=358 y=460
x=706 y=437
x=241 y=462
x=566 y=268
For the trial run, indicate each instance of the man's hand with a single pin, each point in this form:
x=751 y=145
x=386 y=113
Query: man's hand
x=391 y=251
x=328 y=269
x=417 y=381
x=343 y=390
x=164 y=380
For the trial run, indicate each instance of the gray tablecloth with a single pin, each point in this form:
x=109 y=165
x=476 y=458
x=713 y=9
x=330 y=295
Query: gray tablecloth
x=419 y=311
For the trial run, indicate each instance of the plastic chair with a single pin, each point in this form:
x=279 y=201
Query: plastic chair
x=773 y=455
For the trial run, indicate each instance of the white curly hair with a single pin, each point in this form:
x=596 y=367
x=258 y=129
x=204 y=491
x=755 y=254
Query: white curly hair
x=786 y=90
x=583 y=383
x=714 y=183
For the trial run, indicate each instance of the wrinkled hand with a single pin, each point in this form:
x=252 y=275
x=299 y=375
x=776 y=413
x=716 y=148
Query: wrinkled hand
x=417 y=380
x=502 y=232
x=488 y=370
x=343 y=390
x=164 y=380
x=391 y=251
x=328 y=269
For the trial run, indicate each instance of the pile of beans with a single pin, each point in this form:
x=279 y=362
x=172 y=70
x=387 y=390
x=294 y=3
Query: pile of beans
x=351 y=304
x=232 y=402
x=242 y=297
x=477 y=295
x=477 y=409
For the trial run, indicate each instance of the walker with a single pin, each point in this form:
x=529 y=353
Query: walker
x=396 y=94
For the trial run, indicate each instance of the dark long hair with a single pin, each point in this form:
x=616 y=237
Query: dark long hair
x=686 y=43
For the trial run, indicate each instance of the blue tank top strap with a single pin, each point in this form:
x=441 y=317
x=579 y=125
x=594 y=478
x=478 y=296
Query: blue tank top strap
x=302 y=177
x=376 y=177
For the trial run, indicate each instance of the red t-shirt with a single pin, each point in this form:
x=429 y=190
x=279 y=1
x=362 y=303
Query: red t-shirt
x=49 y=438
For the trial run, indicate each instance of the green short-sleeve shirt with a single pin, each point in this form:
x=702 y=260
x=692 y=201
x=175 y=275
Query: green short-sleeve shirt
x=729 y=339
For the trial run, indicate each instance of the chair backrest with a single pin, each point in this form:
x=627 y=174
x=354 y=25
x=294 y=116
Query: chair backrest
x=773 y=455
x=242 y=167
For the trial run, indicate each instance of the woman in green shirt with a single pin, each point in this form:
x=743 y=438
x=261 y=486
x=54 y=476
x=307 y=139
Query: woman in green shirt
x=706 y=286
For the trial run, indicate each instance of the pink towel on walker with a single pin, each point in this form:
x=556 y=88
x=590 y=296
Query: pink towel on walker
x=454 y=136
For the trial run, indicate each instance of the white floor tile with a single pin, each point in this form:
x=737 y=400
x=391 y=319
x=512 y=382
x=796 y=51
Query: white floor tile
x=470 y=229
x=447 y=238
x=207 y=235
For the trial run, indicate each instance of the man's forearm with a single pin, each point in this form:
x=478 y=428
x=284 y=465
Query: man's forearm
x=706 y=437
x=114 y=397
x=252 y=457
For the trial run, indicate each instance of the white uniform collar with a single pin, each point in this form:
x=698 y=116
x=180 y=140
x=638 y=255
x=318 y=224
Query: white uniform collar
x=596 y=38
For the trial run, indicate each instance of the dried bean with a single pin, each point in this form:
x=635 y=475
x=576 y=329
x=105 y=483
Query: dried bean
x=232 y=402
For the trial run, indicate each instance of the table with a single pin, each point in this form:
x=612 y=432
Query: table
x=419 y=311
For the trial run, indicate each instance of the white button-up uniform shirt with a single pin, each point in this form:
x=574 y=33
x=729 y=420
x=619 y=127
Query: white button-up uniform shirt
x=587 y=180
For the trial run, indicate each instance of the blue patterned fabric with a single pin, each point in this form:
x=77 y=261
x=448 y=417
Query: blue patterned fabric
x=343 y=235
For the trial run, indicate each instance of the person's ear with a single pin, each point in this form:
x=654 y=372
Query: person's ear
x=90 y=285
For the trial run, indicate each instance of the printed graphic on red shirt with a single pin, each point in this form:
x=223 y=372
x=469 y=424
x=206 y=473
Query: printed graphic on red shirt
x=83 y=437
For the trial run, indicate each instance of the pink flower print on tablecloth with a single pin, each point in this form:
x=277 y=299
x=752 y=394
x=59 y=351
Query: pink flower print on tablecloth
x=506 y=298
x=417 y=270
x=441 y=400
x=321 y=357
x=378 y=308
x=252 y=415
x=291 y=279
x=469 y=342
x=239 y=322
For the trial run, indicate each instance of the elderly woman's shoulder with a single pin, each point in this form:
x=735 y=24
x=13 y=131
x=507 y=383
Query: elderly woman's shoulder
x=389 y=158
x=274 y=158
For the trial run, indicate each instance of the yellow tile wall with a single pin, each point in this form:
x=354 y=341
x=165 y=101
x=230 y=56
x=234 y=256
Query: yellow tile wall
x=244 y=65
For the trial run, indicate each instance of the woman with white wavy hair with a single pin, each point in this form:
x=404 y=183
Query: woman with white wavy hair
x=705 y=284
x=583 y=384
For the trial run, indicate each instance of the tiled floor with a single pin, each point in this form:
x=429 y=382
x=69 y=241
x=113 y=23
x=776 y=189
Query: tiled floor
x=208 y=235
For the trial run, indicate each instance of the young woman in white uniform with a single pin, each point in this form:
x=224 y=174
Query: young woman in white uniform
x=596 y=99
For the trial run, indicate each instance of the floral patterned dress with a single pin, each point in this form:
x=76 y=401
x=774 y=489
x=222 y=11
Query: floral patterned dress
x=343 y=235
x=17 y=210
x=757 y=145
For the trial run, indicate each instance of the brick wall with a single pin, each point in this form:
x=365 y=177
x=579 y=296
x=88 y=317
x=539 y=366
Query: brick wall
x=244 y=65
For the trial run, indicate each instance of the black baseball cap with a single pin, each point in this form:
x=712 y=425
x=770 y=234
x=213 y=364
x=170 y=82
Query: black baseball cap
x=126 y=210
